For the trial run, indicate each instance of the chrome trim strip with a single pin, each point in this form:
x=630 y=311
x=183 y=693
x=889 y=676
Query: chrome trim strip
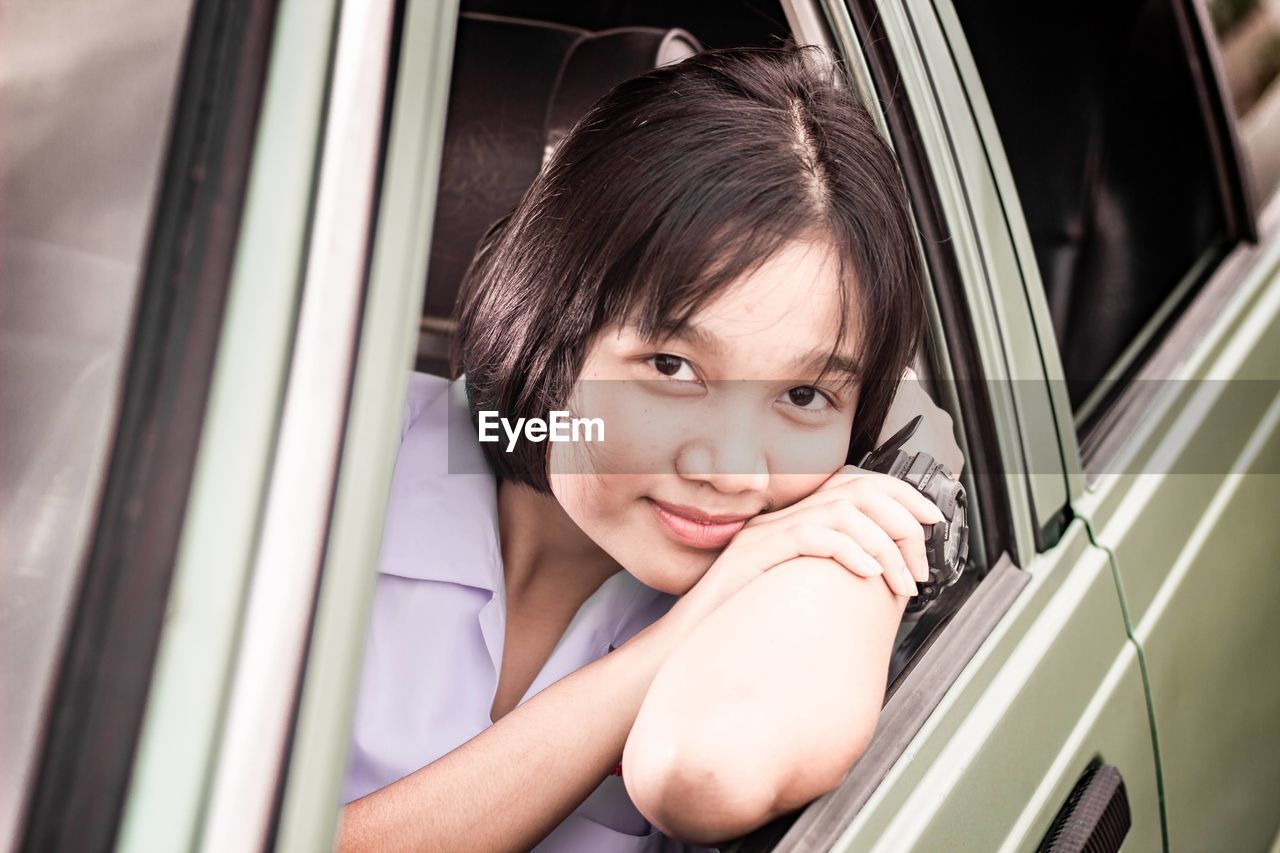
x=295 y=525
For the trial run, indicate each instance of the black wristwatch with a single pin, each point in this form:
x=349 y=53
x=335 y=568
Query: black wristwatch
x=946 y=543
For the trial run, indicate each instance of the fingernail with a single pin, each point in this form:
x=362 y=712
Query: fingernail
x=872 y=567
x=922 y=569
x=911 y=582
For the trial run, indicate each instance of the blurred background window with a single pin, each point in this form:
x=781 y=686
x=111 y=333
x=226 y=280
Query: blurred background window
x=1100 y=118
x=85 y=98
x=1249 y=41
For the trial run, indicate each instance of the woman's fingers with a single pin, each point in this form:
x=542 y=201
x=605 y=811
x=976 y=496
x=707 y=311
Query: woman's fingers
x=836 y=530
x=852 y=478
x=817 y=541
x=832 y=536
x=903 y=528
x=880 y=518
x=875 y=541
x=774 y=545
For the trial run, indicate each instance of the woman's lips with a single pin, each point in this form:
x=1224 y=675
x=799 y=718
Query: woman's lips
x=697 y=529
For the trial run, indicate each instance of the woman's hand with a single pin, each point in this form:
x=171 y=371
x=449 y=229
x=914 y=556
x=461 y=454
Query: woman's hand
x=868 y=522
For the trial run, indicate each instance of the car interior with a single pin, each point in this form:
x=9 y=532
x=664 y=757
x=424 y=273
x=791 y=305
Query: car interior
x=523 y=72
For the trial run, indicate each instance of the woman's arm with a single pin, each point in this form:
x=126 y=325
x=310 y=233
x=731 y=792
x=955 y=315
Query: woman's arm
x=766 y=704
x=510 y=785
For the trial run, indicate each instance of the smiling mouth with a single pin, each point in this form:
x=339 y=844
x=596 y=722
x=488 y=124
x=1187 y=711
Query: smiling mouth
x=695 y=528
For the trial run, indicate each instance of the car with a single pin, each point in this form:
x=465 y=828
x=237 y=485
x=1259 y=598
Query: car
x=232 y=227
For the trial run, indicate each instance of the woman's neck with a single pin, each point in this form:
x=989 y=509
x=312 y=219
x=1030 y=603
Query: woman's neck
x=545 y=555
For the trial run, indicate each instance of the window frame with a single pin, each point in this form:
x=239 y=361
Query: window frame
x=295 y=552
x=419 y=64
x=985 y=469
x=1219 y=114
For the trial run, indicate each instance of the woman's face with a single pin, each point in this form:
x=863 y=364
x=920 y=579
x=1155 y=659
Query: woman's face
x=705 y=429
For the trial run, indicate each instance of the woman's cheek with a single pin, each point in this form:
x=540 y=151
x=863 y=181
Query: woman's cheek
x=642 y=431
x=798 y=455
x=787 y=489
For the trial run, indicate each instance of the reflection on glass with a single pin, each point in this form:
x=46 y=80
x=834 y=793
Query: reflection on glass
x=85 y=92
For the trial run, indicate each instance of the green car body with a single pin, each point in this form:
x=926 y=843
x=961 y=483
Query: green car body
x=1125 y=621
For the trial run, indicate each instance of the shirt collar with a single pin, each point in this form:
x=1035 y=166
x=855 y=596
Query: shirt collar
x=442 y=515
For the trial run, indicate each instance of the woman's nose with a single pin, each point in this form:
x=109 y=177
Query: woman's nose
x=731 y=460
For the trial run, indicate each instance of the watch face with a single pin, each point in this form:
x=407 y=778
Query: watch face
x=955 y=540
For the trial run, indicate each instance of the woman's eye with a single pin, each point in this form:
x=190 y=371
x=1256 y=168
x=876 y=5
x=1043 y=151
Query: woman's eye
x=673 y=367
x=808 y=398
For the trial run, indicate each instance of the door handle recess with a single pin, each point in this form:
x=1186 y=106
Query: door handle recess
x=1095 y=818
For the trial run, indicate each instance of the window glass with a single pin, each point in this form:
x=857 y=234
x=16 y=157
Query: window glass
x=1100 y=119
x=1249 y=41
x=85 y=91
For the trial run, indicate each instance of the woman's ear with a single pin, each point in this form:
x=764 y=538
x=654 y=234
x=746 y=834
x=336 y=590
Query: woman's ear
x=936 y=434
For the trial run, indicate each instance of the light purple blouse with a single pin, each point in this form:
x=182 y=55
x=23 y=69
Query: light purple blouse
x=434 y=647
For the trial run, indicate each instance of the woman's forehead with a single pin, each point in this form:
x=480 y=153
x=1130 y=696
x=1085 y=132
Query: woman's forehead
x=792 y=300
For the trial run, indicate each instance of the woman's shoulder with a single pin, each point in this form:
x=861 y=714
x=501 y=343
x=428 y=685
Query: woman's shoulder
x=441 y=518
x=424 y=390
x=437 y=435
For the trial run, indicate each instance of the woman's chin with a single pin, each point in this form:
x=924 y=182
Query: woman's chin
x=673 y=573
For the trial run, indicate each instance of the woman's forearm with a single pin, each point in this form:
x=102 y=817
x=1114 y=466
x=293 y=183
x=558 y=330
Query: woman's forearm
x=510 y=785
x=766 y=704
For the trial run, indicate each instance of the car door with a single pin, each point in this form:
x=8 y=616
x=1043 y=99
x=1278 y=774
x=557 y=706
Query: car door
x=1032 y=684
x=1170 y=370
x=1178 y=423
x=1183 y=487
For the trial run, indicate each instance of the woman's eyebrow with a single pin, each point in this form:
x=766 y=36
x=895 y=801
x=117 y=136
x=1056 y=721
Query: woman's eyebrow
x=818 y=359
x=804 y=365
x=697 y=336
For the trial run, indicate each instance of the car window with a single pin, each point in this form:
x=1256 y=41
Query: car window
x=85 y=89
x=1102 y=121
x=1248 y=35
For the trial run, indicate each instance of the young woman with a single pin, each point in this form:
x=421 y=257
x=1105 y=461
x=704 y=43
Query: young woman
x=685 y=628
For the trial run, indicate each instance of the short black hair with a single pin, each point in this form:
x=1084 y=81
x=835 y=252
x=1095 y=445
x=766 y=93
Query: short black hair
x=672 y=186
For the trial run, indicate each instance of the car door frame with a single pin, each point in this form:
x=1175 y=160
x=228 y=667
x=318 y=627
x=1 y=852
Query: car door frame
x=978 y=638
x=210 y=772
